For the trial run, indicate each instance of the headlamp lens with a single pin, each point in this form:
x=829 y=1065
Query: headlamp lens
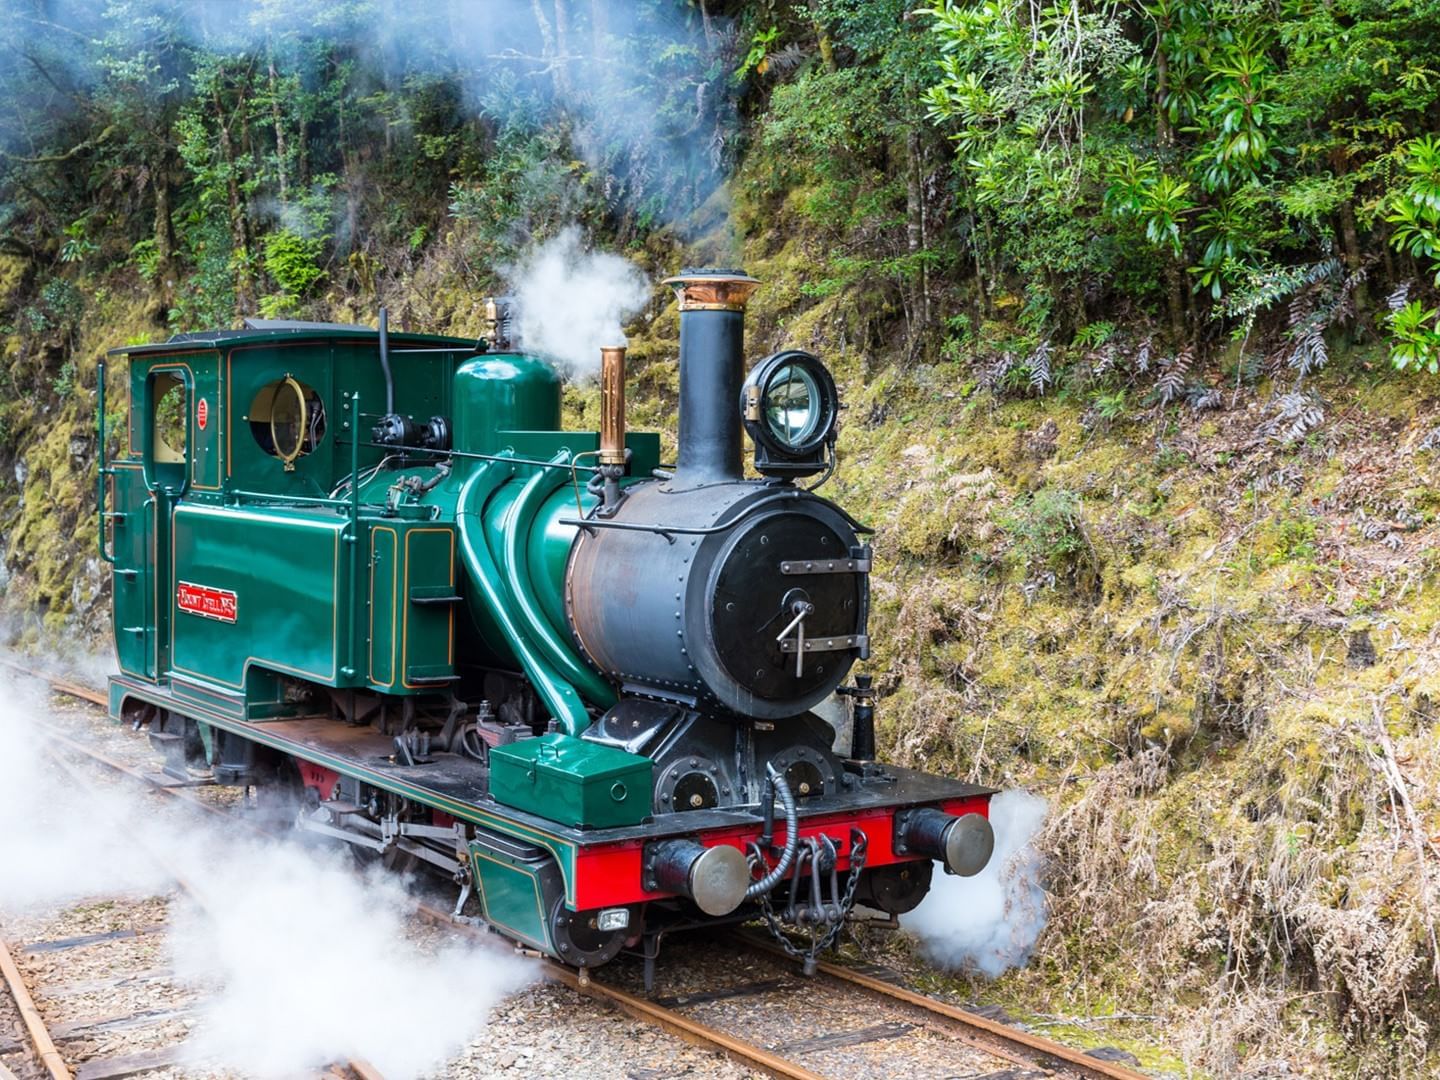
x=792 y=404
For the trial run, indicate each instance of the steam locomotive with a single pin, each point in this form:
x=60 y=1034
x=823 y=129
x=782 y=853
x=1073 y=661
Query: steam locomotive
x=366 y=575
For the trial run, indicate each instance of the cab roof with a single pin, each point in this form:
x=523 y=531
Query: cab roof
x=259 y=331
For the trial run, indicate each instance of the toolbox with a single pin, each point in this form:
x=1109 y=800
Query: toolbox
x=572 y=781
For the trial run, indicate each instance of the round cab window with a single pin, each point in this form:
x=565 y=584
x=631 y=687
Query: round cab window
x=287 y=419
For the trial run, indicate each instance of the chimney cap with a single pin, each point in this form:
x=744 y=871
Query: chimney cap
x=712 y=289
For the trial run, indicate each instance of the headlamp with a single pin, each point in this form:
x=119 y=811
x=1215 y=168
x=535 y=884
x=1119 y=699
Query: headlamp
x=789 y=405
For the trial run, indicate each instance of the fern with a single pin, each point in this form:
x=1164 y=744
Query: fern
x=1039 y=365
x=1293 y=416
x=1142 y=356
x=1171 y=383
x=993 y=376
x=1204 y=398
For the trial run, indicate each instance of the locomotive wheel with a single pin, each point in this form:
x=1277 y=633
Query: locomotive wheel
x=896 y=889
x=279 y=794
x=579 y=941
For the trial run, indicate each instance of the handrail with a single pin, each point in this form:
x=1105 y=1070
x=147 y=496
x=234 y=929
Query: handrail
x=237 y=495
x=101 y=469
x=470 y=455
x=351 y=670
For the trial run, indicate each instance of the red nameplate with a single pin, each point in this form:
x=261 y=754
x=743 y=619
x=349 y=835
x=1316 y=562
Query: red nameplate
x=207 y=602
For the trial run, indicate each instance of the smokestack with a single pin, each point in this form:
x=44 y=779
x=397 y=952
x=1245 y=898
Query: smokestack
x=712 y=369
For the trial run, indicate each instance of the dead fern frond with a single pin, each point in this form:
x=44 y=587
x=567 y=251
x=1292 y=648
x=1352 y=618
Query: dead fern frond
x=1293 y=415
x=1039 y=365
x=1142 y=356
x=1171 y=384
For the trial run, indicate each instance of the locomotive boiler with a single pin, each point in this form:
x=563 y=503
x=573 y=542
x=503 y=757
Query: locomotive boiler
x=368 y=576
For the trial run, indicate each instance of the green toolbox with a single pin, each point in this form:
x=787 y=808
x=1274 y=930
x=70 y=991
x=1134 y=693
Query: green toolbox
x=572 y=781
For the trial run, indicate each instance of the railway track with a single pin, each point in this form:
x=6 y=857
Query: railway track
x=940 y=1036
x=123 y=973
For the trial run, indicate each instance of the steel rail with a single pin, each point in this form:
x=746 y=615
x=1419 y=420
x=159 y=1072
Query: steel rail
x=361 y=1068
x=692 y=1031
x=35 y=1027
x=645 y=1010
x=1058 y=1053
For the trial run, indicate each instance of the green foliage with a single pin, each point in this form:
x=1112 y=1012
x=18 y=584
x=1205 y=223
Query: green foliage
x=209 y=299
x=1231 y=138
x=64 y=383
x=1415 y=208
x=292 y=260
x=1415 y=213
x=1416 y=337
x=1047 y=532
x=754 y=59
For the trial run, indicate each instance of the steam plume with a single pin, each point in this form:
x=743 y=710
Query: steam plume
x=302 y=963
x=991 y=921
x=573 y=301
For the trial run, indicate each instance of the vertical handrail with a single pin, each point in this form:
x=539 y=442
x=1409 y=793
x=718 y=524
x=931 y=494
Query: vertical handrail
x=351 y=670
x=102 y=470
x=354 y=529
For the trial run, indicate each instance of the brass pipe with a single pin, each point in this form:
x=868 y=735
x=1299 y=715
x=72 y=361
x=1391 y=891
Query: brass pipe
x=612 y=405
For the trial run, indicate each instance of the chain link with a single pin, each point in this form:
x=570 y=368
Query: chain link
x=859 y=843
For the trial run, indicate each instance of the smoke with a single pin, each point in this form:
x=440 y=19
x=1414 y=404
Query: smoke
x=991 y=921
x=48 y=844
x=573 y=301
x=299 y=961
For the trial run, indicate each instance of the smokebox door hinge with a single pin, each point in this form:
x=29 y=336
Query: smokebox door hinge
x=827 y=644
x=826 y=566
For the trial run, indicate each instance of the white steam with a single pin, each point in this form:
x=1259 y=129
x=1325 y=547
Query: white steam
x=573 y=301
x=49 y=844
x=311 y=966
x=299 y=961
x=991 y=921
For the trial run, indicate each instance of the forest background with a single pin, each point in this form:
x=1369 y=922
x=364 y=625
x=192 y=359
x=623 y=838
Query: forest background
x=1133 y=306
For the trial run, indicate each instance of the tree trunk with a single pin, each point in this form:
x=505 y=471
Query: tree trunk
x=1350 y=242
x=915 y=221
x=239 y=227
x=1163 y=135
x=600 y=27
x=281 y=158
x=164 y=230
x=1177 y=301
x=822 y=39
x=547 y=37
x=562 y=52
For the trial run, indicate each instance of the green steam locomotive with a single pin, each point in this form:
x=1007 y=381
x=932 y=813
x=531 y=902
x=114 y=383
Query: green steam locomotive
x=367 y=575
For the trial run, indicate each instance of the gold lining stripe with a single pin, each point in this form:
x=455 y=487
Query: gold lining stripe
x=394 y=593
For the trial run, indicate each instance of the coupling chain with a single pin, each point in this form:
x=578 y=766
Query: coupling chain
x=859 y=843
